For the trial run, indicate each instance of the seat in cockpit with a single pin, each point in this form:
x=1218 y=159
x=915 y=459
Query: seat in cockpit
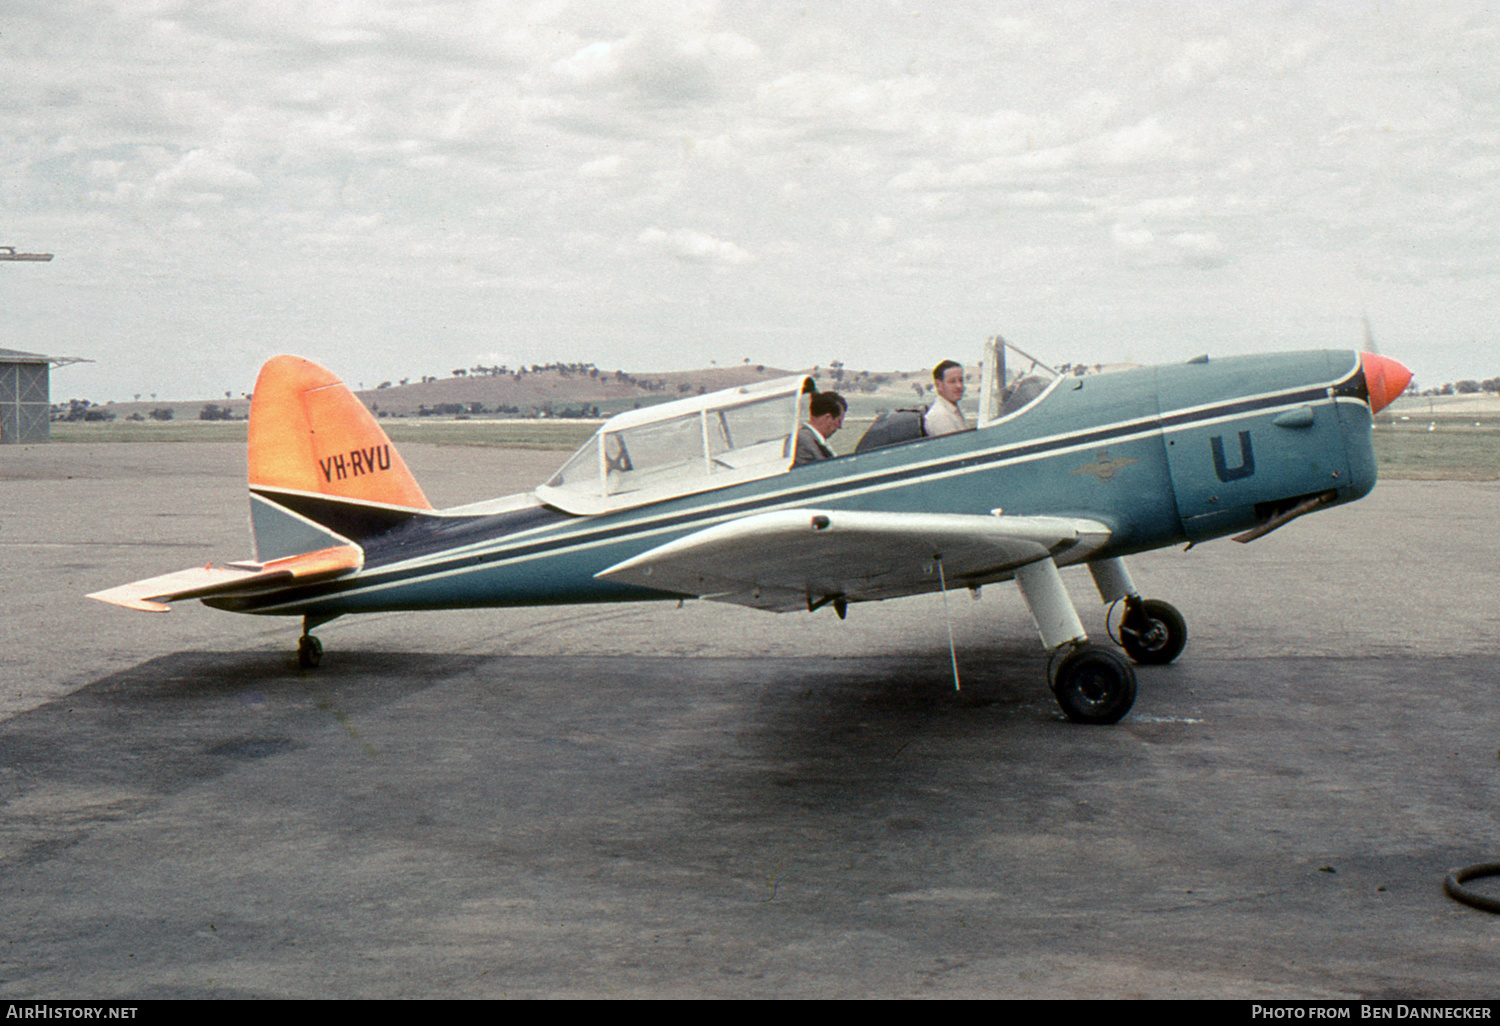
x=892 y=428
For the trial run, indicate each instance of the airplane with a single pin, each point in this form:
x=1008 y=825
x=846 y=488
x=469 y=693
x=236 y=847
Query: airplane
x=699 y=498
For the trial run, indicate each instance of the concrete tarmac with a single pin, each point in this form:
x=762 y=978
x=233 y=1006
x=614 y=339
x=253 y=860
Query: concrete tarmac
x=646 y=801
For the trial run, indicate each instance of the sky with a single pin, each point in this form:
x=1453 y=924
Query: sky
x=400 y=188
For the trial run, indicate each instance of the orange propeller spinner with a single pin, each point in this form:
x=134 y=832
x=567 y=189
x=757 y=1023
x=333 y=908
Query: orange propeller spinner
x=1384 y=378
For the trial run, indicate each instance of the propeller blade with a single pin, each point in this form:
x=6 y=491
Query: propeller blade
x=1370 y=346
x=1370 y=336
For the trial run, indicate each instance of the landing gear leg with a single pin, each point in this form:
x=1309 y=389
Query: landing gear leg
x=1091 y=684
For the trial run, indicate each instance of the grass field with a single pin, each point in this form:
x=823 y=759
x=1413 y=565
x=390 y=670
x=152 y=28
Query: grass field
x=1442 y=448
x=1447 y=449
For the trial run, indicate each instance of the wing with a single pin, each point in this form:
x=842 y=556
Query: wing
x=801 y=558
x=234 y=579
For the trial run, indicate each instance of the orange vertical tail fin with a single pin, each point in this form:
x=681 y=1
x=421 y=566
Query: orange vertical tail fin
x=308 y=433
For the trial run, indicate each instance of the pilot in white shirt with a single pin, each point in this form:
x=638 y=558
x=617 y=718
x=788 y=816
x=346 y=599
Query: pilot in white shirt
x=944 y=417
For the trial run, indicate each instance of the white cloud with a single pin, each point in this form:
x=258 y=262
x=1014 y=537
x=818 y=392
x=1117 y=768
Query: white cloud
x=695 y=246
x=657 y=69
x=1133 y=239
x=1145 y=248
x=1201 y=249
x=1144 y=142
x=201 y=177
x=605 y=167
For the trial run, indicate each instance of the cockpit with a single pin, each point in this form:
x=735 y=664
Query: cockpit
x=682 y=447
x=736 y=435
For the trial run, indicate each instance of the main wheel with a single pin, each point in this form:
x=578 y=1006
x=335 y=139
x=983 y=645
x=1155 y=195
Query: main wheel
x=1152 y=632
x=309 y=652
x=1093 y=685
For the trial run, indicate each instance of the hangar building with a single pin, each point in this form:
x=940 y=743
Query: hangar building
x=25 y=397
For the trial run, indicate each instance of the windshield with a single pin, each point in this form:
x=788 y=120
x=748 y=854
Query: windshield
x=1011 y=379
x=1026 y=383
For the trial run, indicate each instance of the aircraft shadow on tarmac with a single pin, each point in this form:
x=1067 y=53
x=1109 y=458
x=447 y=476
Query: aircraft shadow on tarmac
x=770 y=738
x=179 y=719
x=187 y=717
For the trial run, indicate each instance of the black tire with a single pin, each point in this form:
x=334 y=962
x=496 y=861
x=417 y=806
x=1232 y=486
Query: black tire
x=1153 y=633
x=309 y=652
x=1093 y=685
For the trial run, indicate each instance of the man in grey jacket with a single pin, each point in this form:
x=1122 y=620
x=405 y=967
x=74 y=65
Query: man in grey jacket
x=825 y=415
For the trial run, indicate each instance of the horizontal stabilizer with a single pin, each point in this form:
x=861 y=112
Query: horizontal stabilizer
x=151 y=594
x=801 y=558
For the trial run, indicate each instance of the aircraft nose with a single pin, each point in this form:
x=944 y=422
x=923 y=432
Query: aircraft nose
x=1384 y=378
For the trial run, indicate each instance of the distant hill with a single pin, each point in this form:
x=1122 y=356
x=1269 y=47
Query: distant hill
x=559 y=391
x=555 y=391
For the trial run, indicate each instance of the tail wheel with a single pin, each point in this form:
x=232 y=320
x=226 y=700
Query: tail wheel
x=1152 y=632
x=1093 y=685
x=309 y=652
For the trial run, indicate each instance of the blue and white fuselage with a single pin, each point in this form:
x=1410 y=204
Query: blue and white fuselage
x=1159 y=455
x=699 y=498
